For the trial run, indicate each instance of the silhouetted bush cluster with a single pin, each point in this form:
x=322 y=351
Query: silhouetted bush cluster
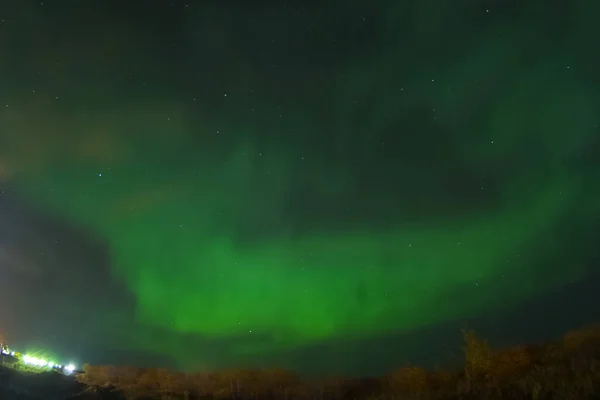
x=566 y=369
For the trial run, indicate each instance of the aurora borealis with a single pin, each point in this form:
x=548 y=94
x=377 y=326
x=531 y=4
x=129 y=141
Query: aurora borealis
x=260 y=181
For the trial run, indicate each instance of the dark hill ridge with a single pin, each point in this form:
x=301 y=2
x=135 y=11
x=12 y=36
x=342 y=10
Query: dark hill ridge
x=568 y=368
x=25 y=385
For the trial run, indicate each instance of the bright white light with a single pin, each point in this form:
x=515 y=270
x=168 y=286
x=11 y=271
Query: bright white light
x=40 y=363
x=34 y=361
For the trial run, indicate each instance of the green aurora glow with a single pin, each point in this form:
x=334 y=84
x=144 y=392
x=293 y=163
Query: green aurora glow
x=202 y=231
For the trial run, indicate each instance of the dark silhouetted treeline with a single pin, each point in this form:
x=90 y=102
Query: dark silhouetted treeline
x=565 y=369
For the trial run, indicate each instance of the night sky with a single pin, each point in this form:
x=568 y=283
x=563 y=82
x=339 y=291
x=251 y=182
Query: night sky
x=331 y=186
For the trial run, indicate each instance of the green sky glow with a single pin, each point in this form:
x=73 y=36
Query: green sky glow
x=207 y=217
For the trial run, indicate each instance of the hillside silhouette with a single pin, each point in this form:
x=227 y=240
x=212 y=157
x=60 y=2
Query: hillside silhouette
x=568 y=368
